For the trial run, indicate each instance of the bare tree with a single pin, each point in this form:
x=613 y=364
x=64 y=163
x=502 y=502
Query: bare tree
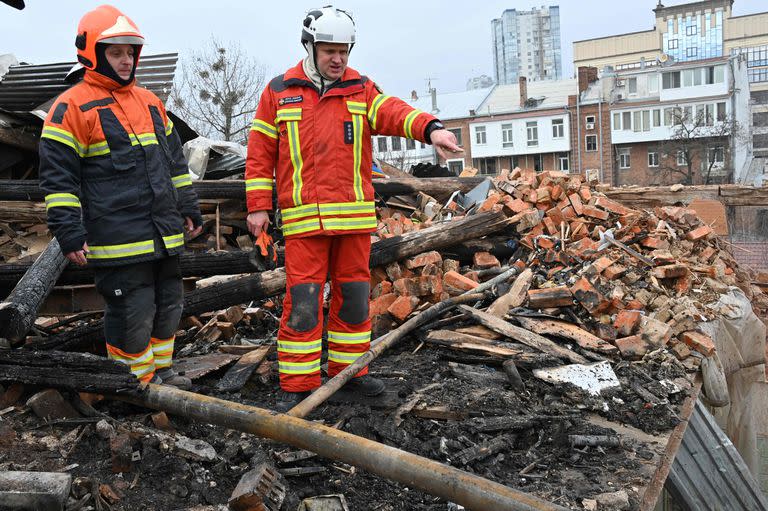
x=700 y=143
x=218 y=90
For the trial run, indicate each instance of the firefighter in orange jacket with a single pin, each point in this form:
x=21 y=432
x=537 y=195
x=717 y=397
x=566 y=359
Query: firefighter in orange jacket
x=118 y=194
x=312 y=131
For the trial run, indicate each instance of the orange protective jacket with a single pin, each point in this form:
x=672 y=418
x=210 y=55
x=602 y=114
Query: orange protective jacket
x=318 y=148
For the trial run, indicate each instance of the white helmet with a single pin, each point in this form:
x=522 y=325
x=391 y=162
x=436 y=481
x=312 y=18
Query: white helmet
x=328 y=25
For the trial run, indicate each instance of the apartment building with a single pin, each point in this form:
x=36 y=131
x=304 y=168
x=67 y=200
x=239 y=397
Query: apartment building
x=675 y=123
x=527 y=43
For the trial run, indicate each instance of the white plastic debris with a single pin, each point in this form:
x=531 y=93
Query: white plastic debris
x=592 y=377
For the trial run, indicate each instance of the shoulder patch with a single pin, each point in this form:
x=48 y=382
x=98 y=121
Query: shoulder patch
x=58 y=113
x=277 y=83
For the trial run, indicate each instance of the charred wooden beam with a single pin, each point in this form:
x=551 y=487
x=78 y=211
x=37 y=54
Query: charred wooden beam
x=650 y=197
x=19 y=310
x=28 y=190
x=19 y=138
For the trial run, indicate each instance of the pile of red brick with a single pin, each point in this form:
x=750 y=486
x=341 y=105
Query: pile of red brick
x=638 y=303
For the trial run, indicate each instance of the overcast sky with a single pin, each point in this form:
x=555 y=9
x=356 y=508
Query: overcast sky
x=401 y=43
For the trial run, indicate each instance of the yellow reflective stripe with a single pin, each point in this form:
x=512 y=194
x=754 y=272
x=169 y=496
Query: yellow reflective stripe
x=181 y=180
x=288 y=114
x=301 y=226
x=356 y=107
x=173 y=241
x=343 y=358
x=264 y=127
x=408 y=123
x=143 y=358
x=349 y=338
x=299 y=212
x=63 y=136
x=97 y=149
x=55 y=200
x=143 y=139
x=373 y=112
x=348 y=224
x=299 y=367
x=295 y=148
x=258 y=183
x=347 y=208
x=169 y=128
x=124 y=250
x=357 y=123
x=300 y=347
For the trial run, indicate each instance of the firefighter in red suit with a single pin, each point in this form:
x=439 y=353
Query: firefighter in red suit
x=312 y=133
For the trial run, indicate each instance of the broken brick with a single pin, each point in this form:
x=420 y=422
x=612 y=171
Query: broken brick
x=594 y=212
x=381 y=304
x=382 y=288
x=549 y=225
x=633 y=347
x=50 y=405
x=394 y=271
x=378 y=274
x=550 y=297
x=11 y=395
x=402 y=307
x=614 y=271
x=585 y=193
x=488 y=203
x=589 y=297
x=652 y=242
x=655 y=332
x=431 y=269
x=455 y=283
x=699 y=342
x=680 y=350
x=526 y=219
x=568 y=212
x=626 y=322
x=576 y=204
x=484 y=260
x=451 y=265
x=613 y=206
x=670 y=271
x=556 y=215
x=421 y=260
x=699 y=233
x=515 y=206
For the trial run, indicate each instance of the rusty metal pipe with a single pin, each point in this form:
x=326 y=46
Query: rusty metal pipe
x=430 y=476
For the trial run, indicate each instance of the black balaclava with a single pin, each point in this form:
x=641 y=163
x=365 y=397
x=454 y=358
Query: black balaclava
x=104 y=68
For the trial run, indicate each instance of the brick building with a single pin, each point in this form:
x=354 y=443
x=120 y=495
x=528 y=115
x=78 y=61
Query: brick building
x=591 y=133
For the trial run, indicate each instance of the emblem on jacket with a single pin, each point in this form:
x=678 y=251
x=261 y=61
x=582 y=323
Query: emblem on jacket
x=290 y=100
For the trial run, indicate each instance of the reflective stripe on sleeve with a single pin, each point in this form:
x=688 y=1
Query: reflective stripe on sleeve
x=55 y=200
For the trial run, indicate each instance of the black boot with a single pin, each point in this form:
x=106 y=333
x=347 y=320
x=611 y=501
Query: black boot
x=287 y=400
x=367 y=385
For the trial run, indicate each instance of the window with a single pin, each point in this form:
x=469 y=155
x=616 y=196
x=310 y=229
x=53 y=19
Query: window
x=562 y=162
x=627 y=121
x=558 y=130
x=717 y=155
x=681 y=160
x=710 y=113
x=480 y=138
x=486 y=166
x=688 y=77
x=673 y=44
x=700 y=113
x=709 y=75
x=670 y=80
x=632 y=85
x=697 y=76
x=687 y=114
x=646 y=120
x=691 y=52
x=532 y=129
x=637 y=121
x=423 y=145
x=668 y=117
x=653 y=158
x=656 y=118
x=506 y=135
x=457 y=133
x=624 y=161
x=690 y=30
x=653 y=83
x=538 y=162
x=456 y=166
x=721 y=111
x=382 y=144
x=616 y=121
x=591 y=142
x=719 y=74
x=396 y=145
x=410 y=144
x=590 y=119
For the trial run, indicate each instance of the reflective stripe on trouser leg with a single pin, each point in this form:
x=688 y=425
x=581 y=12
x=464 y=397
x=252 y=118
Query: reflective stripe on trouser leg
x=349 y=325
x=169 y=302
x=142 y=364
x=129 y=308
x=301 y=326
x=163 y=351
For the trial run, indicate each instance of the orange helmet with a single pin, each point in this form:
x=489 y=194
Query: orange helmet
x=104 y=24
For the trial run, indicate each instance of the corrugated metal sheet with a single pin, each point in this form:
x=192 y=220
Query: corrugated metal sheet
x=709 y=473
x=25 y=87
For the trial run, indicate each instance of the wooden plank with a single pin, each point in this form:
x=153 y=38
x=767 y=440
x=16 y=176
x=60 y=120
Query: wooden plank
x=197 y=367
x=568 y=331
x=515 y=297
x=239 y=374
x=531 y=339
x=650 y=197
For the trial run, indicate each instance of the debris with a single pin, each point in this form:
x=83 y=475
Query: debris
x=50 y=405
x=592 y=378
x=41 y=491
x=324 y=503
x=262 y=488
